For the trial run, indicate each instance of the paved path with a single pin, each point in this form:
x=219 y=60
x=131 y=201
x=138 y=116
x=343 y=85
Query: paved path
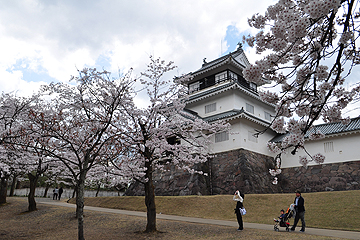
x=312 y=231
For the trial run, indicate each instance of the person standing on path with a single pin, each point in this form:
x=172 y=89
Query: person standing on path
x=60 y=192
x=56 y=193
x=300 y=211
x=239 y=197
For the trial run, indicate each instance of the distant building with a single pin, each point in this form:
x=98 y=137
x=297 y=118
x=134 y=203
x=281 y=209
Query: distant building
x=217 y=91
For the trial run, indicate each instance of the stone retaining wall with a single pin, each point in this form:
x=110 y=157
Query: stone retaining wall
x=249 y=172
x=324 y=177
x=238 y=169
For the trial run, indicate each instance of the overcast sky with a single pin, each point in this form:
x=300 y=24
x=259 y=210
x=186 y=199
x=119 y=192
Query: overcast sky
x=44 y=41
x=48 y=40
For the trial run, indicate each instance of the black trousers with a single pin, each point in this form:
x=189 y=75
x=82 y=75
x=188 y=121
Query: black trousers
x=239 y=219
x=298 y=216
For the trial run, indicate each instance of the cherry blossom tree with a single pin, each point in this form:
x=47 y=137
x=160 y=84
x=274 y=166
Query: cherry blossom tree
x=81 y=125
x=13 y=113
x=163 y=133
x=310 y=49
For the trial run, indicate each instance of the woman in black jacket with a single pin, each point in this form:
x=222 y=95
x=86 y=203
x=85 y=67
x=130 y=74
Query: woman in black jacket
x=239 y=197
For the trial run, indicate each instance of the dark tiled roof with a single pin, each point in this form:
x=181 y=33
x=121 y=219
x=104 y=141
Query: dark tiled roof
x=223 y=115
x=219 y=60
x=189 y=114
x=333 y=128
x=328 y=129
x=278 y=138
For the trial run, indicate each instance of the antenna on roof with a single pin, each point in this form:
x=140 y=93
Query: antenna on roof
x=239 y=46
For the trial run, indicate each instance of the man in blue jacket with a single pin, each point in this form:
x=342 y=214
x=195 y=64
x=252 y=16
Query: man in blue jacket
x=300 y=211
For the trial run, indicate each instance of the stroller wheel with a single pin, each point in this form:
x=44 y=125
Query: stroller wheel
x=287 y=229
x=276 y=228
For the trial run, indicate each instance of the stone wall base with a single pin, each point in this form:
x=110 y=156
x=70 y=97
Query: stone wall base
x=324 y=177
x=226 y=172
x=249 y=172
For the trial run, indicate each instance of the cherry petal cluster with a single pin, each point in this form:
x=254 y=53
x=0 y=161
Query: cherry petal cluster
x=303 y=161
x=274 y=172
x=316 y=135
x=319 y=158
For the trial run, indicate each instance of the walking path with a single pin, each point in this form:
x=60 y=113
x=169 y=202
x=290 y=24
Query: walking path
x=312 y=231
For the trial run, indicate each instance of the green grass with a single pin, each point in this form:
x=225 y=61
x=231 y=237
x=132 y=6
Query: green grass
x=330 y=210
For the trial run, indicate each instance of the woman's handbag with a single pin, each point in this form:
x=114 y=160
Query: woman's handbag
x=242 y=211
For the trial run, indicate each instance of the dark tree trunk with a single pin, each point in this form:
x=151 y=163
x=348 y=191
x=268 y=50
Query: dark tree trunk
x=97 y=191
x=150 y=200
x=80 y=205
x=46 y=190
x=13 y=184
x=3 y=189
x=18 y=184
x=31 y=197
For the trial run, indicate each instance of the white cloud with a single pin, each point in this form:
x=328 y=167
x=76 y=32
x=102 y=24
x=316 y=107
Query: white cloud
x=58 y=36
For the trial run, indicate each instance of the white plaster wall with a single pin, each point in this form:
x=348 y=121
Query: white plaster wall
x=230 y=100
x=346 y=148
x=224 y=103
x=39 y=192
x=259 y=107
x=238 y=138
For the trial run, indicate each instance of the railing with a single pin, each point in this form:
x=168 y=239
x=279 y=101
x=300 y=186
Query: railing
x=206 y=83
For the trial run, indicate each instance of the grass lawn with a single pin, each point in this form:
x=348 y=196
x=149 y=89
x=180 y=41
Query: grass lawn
x=59 y=223
x=329 y=210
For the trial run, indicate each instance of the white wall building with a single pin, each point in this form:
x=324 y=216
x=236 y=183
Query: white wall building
x=218 y=90
x=341 y=144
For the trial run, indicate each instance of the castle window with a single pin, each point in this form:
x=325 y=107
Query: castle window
x=328 y=147
x=222 y=136
x=250 y=108
x=233 y=75
x=220 y=77
x=210 y=108
x=194 y=87
x=253 y=86
x=267 y=116
x=252 y=137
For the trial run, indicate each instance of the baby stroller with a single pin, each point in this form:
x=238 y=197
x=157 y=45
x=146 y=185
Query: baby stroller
x=284 y=221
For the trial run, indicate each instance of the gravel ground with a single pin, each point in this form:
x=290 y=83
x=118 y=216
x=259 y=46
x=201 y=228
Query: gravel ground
x=52 y=222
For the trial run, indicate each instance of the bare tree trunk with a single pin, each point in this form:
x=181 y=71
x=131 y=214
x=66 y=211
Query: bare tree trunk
x=97 y=191
x=150 y=200
x=13 y=184
x=74 y=192
x=46 y=190
x=80 y=205
x=3 y=189
x=31 y=197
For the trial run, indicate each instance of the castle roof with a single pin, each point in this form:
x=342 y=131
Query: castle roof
x=229 y=115
x=237 y=58
x=328 y=129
